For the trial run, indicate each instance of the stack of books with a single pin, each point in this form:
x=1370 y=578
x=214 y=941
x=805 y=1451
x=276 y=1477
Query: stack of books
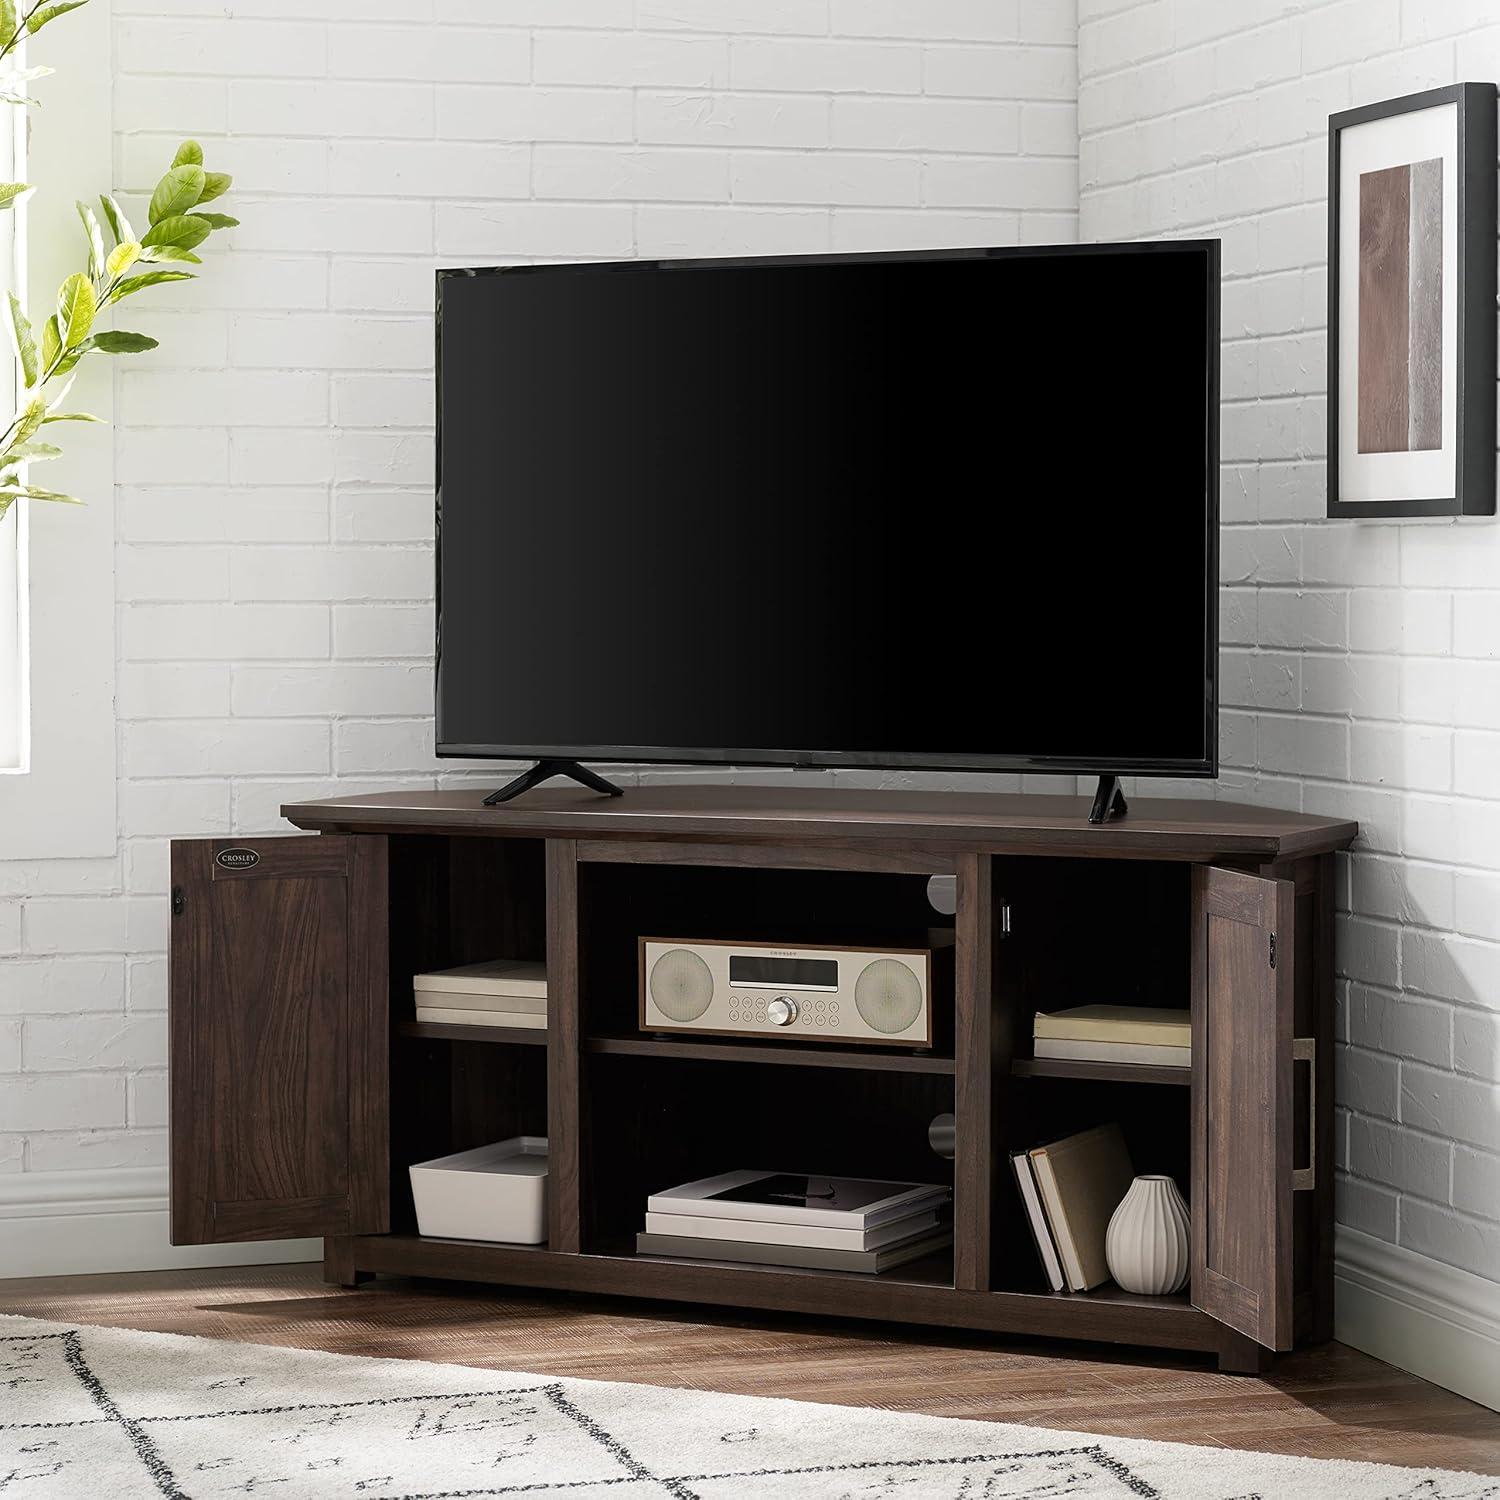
x=784 y=1219
x=1115 y=1033
x=1071 y=1189
x=502 y=992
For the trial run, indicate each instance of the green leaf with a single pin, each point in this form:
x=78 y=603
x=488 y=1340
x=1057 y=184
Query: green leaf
x=40 y=18
x=215 y=185
x=7 y=97
x=121 y=258
x=133 y=284
x=76 y=306
x=215 y=221
x=7 y=19
x=34 y=452
x=70 y=416
x=51 y=342
x=119 y=225
x=177 y=192
x=170 y=252
x=96 y=239
x=22 y=341
x=12 y=193
x=189 y=154
x=182 y=230
x=120 y=342
x=32 y=417
x=30 y=492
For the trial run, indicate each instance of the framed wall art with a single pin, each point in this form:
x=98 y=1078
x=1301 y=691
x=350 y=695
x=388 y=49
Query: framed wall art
x=1411 y=305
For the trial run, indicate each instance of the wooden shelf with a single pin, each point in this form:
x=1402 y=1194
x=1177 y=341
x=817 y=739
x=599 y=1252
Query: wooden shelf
x=865 y=1059
x=1104 y=1072
x=440 y=1031
x=919 y=1293
x=932 y=1270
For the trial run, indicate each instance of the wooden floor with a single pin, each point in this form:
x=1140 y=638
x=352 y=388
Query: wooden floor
x=1326 y=1403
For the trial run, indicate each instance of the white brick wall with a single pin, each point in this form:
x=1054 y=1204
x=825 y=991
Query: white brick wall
x=273 y=458
x=1360 y=672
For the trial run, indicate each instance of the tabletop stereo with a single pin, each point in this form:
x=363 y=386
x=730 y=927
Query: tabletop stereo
x=815 y=994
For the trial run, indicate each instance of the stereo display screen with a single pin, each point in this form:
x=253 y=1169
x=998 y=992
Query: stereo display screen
x=794 y=973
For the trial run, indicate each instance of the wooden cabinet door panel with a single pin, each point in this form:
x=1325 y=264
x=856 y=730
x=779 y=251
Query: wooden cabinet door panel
x=1243 y=946
x=279 y=1038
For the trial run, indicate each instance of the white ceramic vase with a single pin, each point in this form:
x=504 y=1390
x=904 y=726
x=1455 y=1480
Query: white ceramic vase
x=1146 y=1244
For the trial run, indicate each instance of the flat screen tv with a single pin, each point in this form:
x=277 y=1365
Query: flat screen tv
x=953 y=510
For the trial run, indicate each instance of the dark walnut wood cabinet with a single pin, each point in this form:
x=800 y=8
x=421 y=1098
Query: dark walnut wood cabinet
x=302 y=1085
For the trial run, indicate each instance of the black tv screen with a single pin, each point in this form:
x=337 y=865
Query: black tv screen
x=948 y=509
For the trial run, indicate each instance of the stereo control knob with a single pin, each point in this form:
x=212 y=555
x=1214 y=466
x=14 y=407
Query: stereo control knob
x=782 y=1011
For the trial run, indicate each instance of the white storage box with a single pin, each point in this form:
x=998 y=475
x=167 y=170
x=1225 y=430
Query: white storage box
x=496 y=1192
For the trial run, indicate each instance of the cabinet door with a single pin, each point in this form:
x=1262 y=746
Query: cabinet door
x=279 y=1044
x=1242 y=1102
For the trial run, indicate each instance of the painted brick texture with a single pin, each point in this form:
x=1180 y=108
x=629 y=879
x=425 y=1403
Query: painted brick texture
x=1360 y=667
x=274 y=458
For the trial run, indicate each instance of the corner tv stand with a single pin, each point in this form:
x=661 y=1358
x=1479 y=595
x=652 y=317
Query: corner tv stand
x=302 y=1085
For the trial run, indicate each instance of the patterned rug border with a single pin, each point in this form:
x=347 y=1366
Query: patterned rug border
x=580 y=1400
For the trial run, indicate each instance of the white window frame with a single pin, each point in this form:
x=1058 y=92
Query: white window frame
x=15 y=654
x=63 y=804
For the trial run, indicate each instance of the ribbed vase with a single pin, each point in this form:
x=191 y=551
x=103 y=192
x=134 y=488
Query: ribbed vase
x=1146 y=1244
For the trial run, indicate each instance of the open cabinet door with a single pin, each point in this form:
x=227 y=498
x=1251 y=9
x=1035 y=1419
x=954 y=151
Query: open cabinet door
x=278 y=998
x=1242 y=1102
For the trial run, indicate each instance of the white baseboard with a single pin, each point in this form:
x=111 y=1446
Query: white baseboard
x=77 y=1223
x=1432 y=1319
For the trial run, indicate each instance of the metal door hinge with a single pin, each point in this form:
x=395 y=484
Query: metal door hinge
x=1272 y=953
x=179 y=901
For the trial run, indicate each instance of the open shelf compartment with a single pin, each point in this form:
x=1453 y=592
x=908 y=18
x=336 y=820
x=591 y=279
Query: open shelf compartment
x=1091 y=932
x=656 y=1122
x=621 y=904
x=456 y=901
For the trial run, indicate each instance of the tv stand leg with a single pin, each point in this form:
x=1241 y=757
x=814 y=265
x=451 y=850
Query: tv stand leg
x=1242 y=1356
x=544 y=770
x=1109 y=801
x=338 y=1263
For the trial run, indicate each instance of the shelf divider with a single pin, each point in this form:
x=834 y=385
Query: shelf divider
x=566 y=1109
x=980 y=1049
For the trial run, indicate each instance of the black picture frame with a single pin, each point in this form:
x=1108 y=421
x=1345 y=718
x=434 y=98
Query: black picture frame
x=1475 y=396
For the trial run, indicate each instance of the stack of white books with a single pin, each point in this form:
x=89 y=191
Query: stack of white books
x=1115 y=1033
x=502 y=992
x=785 y=1219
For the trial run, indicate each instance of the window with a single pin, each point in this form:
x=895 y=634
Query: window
x=14 y=663
x=64 y=806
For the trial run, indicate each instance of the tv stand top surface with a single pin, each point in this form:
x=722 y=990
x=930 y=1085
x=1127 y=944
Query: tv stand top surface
x=1161 y=828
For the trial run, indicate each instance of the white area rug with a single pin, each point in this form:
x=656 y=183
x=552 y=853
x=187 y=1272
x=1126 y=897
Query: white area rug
x=97 y=1412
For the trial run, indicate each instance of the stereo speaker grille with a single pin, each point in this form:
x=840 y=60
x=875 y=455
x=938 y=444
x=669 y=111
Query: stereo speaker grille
x=888 y=995
x=681 y=985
